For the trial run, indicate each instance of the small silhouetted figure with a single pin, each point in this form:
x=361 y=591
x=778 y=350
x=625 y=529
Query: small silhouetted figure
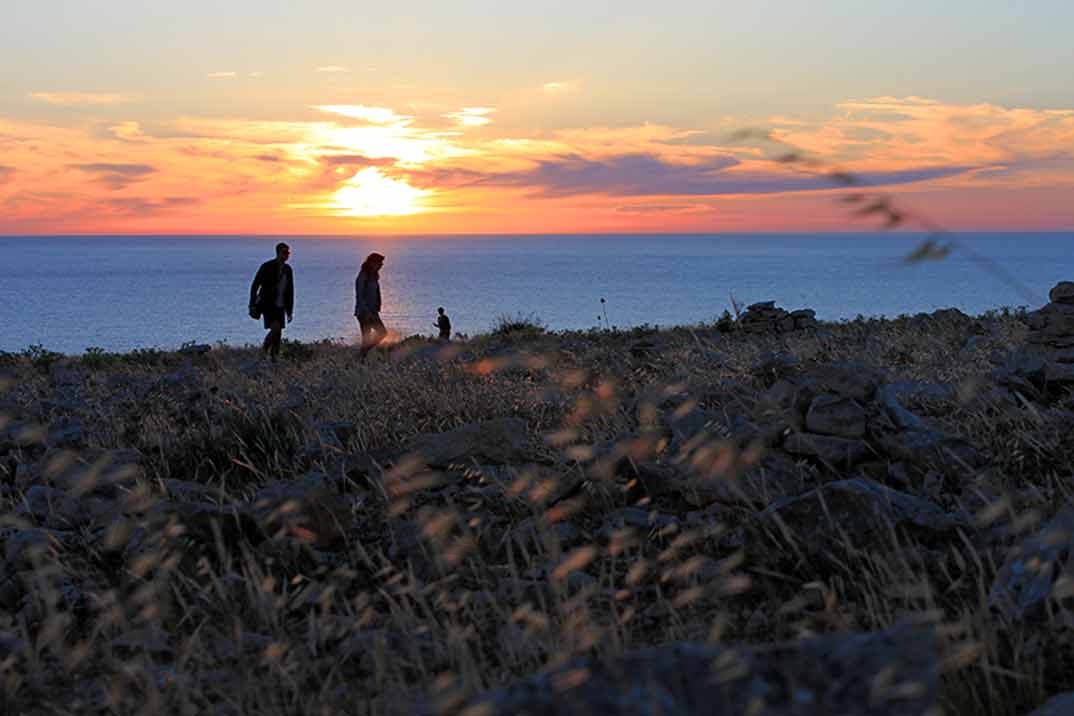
x=272 y=297
x=367 y=303
x=444 y=324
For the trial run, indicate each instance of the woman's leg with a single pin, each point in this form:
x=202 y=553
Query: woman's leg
x=380 y=332
x=373 y=332
x=364 y=333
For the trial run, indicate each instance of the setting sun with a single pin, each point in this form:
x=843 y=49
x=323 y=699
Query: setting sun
x=371 y=193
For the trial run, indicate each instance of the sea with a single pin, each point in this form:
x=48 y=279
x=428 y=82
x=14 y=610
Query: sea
x=119 y=293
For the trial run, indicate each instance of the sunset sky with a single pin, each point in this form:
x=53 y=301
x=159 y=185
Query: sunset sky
x=343 y=117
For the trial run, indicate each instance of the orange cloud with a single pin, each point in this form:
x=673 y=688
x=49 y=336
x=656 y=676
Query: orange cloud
x=560 y=87
x=912 y=131
x=64 y=98
x=354 y=167
x=374 y=115
x=471 y=116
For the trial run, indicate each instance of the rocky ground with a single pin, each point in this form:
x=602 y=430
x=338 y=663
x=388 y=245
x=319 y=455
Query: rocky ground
x=768 y=515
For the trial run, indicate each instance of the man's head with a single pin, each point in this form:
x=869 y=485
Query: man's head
x=440 y=310
x=283 y=252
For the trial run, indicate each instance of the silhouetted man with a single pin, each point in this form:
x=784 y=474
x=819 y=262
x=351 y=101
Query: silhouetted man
x=444 y=324
x=272 y=297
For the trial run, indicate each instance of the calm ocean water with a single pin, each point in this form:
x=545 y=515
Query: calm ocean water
x=120 y=293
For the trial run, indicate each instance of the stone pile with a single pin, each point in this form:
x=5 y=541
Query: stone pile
x=1052 y=332
x=811 y=424
x=767 y=317
x=1053 y=325
x=842 y=414
x=1048 y=357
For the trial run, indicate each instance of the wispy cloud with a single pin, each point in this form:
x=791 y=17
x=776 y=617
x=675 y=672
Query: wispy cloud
x=90 y=98
x=330 y=69
x=255 y=75
x=647 y=175
x=222 y=75
x=560 y=87
x=354 y=160
x=139 y=206
x=6 y=173
x=116 y=176
x=471 y=116
x=892 y=131
x=128 y=131
x=373 y=115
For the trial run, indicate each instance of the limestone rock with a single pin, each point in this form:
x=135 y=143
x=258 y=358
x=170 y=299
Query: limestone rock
x=774 y=364
x=916 y=390
x=789 y=398
x=686 y=424
x=861 y=511
x=1053 y=325
x=835 y=674
x=1059 y=373
x=834 y=415
x=928 y=448
x=848 y=379
x=312 y=508
x=23 y=548
x=765 y=316
x=499 y=441
x=53 y=507
x=100 y=472
x=200 y=522
x=195 y=349
x=1062 y=292
x=834 y=451
x=888 y=397
x=536 y=535
x=758 y=484
x=1061 y=705
x=335 y=434
x=1032 y=570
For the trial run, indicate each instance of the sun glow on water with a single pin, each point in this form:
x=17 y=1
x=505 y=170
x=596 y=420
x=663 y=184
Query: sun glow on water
x=371 y=193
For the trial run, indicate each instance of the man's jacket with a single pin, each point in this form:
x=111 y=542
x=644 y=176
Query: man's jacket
x=265 y=287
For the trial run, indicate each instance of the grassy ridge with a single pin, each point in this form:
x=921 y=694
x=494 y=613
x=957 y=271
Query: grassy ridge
x=190 y=532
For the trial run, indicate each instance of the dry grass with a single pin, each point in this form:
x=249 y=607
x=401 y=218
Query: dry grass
x=437 y=590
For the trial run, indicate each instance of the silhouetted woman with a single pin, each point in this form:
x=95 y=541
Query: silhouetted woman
x=367 y=303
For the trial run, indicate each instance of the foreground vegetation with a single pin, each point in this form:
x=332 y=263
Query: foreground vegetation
x=204 y=532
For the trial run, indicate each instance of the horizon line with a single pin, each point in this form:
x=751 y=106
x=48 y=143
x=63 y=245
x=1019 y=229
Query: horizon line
x=488 y=234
